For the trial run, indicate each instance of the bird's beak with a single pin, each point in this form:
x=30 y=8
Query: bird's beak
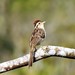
x=44 y=22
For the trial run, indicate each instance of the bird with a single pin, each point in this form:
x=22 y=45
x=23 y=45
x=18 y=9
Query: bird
x=37 y=36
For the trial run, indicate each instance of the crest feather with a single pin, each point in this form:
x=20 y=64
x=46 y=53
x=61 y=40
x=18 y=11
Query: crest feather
x=36 y=21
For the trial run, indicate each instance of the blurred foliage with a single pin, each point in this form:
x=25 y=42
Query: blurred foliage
x=16 y=25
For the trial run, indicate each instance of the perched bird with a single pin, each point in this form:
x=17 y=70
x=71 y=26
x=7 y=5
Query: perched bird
x=36 y=38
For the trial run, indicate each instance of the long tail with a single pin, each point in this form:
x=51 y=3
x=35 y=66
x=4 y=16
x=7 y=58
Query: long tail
x=31 y=57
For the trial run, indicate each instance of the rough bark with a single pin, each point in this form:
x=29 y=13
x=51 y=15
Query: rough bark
x=41 y=53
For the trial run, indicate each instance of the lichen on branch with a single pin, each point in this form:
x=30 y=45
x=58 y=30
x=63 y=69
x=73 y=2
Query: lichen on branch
x=41 y=53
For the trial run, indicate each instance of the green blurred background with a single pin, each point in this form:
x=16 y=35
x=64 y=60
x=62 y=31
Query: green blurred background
x=16 y=25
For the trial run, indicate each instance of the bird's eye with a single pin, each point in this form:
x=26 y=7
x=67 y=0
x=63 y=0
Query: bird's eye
x=39 y=23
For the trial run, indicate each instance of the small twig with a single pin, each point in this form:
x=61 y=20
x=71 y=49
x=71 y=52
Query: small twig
x=41 y=53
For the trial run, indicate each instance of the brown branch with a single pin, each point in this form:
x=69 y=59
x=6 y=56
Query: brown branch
x=42 y=52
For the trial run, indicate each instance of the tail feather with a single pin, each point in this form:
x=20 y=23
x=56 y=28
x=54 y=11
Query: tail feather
x=31 y=58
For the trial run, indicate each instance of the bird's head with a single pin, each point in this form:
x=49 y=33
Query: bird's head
x=39 y=23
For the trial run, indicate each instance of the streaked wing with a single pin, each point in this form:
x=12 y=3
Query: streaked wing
x=37 y=36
